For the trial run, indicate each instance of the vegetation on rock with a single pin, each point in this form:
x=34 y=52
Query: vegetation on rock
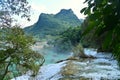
x=53 y=24
x=104 y=18
x=68 y=39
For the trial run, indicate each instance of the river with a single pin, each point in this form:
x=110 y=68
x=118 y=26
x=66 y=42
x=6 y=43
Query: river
x=103 y=67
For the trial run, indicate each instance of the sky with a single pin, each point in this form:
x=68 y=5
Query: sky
x=52 y=7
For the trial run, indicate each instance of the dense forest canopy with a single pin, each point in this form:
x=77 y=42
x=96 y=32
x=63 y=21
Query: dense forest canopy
x=68 y=39
x=104 y=18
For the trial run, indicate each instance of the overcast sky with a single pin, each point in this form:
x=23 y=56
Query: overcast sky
x=52 y=7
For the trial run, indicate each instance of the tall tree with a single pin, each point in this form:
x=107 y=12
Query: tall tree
x=104 y=18
x=16 y=56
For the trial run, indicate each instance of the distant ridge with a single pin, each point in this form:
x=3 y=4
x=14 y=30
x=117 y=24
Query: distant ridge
x=52 y=24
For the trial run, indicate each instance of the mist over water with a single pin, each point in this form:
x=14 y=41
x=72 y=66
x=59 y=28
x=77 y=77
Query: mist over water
x=51 y=56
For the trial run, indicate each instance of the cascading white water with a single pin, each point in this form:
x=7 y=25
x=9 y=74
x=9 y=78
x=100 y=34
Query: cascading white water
x=103 y=67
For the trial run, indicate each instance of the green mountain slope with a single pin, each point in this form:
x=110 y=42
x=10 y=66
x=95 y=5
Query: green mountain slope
x=53 y=24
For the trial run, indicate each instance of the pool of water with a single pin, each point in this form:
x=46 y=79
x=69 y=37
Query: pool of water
x=52 y=56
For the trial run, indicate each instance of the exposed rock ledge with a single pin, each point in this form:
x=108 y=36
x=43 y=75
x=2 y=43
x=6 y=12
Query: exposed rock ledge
x=83 y=69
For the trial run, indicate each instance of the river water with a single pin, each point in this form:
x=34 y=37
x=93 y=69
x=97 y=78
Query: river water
x=50 y=55
x=103 y=67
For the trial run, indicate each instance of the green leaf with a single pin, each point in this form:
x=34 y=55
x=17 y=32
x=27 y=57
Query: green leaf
x=87 y=11
x=83 y=10
x=89 y=28
x=108 y=40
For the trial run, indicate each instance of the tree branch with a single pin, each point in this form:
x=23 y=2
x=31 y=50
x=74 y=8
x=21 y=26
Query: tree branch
x=6 y=70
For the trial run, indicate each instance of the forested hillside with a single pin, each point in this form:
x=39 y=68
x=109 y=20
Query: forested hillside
x=53 y=24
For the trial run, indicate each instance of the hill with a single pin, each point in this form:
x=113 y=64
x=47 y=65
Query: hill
x=53 y=24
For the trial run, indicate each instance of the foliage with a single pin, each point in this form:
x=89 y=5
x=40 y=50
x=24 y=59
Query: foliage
x=69 y=38
x=68 y=17
x=16 y=55
x=8 y=8
x=53 y=24
x=104 y=17
x=73 y=34
x=88 y=41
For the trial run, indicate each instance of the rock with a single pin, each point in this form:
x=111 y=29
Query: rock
x=79 y=69
x=78 y=52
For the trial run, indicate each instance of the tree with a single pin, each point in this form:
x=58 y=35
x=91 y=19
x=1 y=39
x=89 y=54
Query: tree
x=16 y=55
x=88 y=41
x=104 y=18
x=8 y=8
x=68 y=38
